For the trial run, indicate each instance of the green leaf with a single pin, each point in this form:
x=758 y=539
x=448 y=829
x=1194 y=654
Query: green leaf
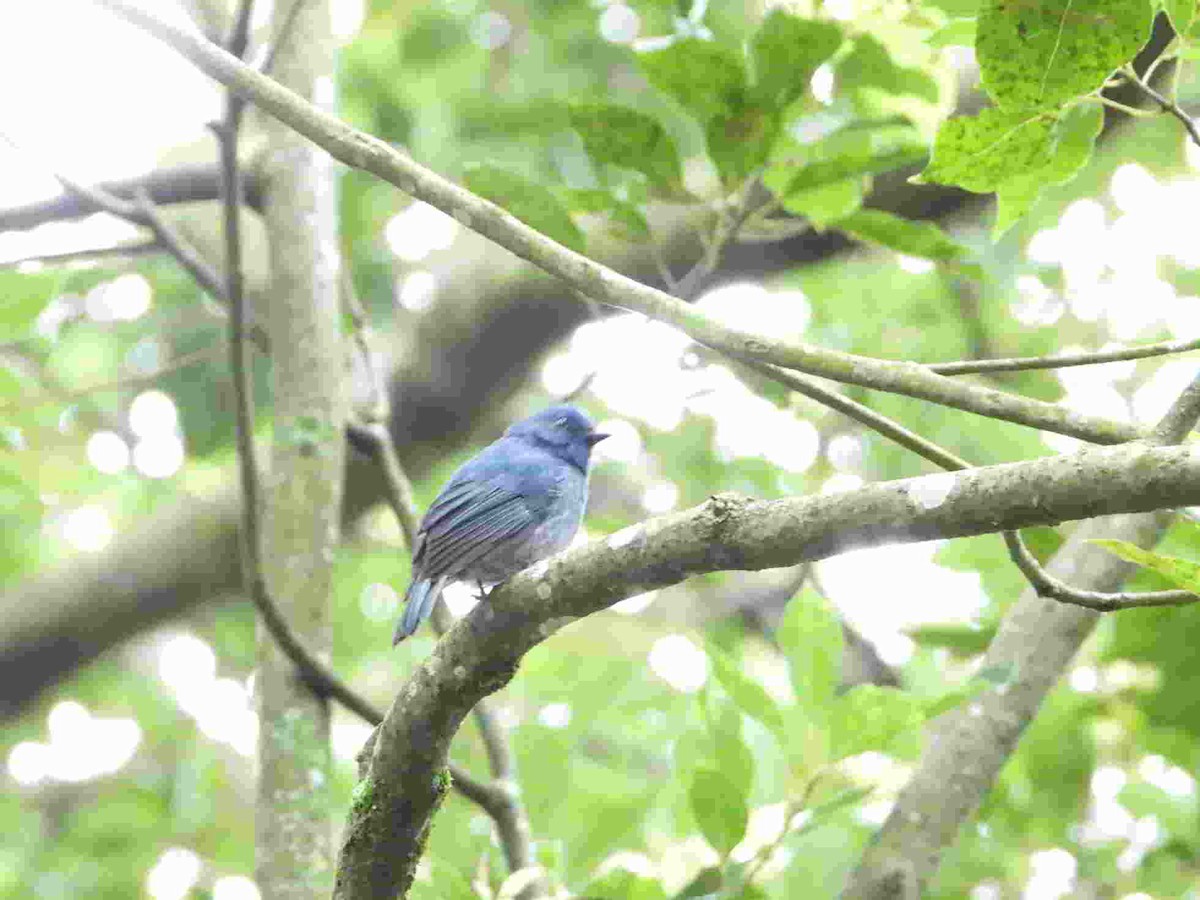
x=985 y=679
x=1176 y=813
x=920 y=239
x=739 y=142
x=705 y=884
x=25 y=296
x=1182 y=573
x=826 y=204
x=955 y=33
x=870 y=717
x=730 y=752
x=957 y=7
x=1071 y=143
x=1037 y=54
x=785 y=52
x=839 y=801
x=811 y=636
x=627 y=220
x=705 y=79
x=869 y=65
x=619 y=136
x=859 y=150
x=964 y=640
x=1181 y=12
x=719 y=809
x=749 y=696
x=621 y=884
x=981 y=153
x=532 y=203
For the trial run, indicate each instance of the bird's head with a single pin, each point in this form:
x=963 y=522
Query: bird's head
x=563 y=430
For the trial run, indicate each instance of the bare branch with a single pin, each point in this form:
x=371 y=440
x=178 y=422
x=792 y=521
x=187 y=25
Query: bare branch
x=360 y=150
x=864 y=415
x=192 y=262
x=126 y=382
x=86 y=255
x=1023 y=363
x=1165 y=104
x=1048 y=586
x=166 y=187
x=1042 y=581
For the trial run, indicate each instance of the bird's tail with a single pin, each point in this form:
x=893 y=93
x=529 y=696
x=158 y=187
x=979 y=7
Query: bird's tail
x=418 y=603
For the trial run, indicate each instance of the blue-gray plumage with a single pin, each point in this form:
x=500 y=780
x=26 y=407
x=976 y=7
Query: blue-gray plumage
x=518 y=501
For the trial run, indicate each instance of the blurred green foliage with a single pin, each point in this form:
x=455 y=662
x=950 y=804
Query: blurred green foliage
x=636 y=789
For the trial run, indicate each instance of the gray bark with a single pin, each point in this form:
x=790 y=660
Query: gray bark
x=302 y=496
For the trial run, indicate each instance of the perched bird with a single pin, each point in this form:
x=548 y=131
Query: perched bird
x=518 y=501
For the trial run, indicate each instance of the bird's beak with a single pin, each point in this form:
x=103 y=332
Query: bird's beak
x=596 y=437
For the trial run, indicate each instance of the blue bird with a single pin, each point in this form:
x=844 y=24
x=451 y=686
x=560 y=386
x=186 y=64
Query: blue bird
x=518 y=501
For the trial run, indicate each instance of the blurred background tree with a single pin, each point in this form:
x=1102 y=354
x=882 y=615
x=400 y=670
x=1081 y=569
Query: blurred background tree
x=756 y=162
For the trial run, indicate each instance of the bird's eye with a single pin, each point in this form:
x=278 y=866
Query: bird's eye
x=561 y=423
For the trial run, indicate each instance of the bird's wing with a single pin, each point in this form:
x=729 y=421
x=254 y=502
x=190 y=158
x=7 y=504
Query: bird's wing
x=468 y=520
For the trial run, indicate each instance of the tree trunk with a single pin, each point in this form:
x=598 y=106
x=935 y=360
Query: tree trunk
x=303 y=494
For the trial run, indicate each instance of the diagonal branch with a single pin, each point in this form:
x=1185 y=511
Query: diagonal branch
x=1165 y=104
x=481 y=652
x=1063 y=360
x=362 y=151
x=166 y=187
x=140 y=210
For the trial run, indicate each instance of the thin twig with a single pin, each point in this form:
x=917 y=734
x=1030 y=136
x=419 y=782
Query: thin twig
x=239 y=32
x=397 y=488
x=1048 y=586
x=86 y=255
x=193 y=263
x=1135 y=111
x=126 y=382
x=1023 y=363
x=696 y=279
x=141 y=211
x=378 y=405
x=1165 y=104
x=1184 y=414
x=240 y=366
x=281 y=35
x=864 y=415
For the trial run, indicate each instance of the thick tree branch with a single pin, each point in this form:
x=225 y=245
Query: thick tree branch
x=370 y=154
x=481 y=652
